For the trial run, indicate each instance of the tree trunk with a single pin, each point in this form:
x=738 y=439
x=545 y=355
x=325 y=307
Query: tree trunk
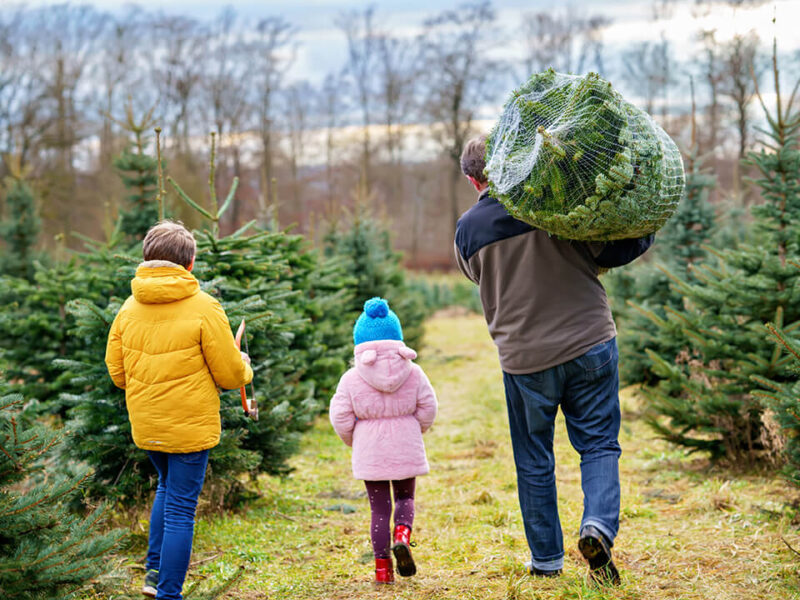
x=266 y=196
x=455 y=213
x=237 y=172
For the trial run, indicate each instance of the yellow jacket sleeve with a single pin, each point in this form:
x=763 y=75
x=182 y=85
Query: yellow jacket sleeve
x=114 y=360
x=224 y=361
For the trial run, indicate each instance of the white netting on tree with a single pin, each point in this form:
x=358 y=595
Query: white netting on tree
x=570 y=156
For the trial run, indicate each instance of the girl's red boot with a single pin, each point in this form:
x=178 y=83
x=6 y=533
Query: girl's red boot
x=383 y=570
x=402 y=551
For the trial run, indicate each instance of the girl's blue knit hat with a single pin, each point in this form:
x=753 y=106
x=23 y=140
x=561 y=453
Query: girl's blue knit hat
x=377 y=322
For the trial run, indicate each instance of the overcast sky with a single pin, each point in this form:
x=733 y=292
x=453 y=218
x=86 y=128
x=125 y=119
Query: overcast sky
x=322 y=46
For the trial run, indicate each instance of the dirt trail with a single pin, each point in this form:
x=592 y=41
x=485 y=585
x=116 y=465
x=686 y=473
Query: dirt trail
x=688 y=531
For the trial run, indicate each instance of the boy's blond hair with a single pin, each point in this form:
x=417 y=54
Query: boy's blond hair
x=472 y=159
x=169 y=240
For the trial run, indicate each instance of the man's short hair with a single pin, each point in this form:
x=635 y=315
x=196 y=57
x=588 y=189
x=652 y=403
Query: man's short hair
x=171 y=241
x=472 y=159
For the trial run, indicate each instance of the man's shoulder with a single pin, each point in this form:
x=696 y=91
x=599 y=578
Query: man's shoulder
x=486 y=222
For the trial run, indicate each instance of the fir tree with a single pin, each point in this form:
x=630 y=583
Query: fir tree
x=139 y=173
x=45 y=551
x=705 y=396
x=20 y=228
x=35 y=322
x=783 y=399
x=367 y=253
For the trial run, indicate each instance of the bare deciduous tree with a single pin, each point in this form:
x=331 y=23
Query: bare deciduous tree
x=713 y=75
x=329 y=108
x=397 y=73
x=225 y=88
x=181 y=42
x=646 y=71
x=550 y=38
x=359 y=72
x=296 y=108
x=739 y=60
x=117 y=70
x=592 y=44
x=273 y=54
x=67 y=37
x=460 y=77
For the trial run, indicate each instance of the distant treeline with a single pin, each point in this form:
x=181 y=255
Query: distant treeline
x=390 y=121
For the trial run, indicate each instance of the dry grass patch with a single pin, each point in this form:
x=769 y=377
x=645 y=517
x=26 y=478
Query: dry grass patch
x=689 y=531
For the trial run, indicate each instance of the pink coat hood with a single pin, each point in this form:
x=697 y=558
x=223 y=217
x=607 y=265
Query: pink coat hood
x=385 y=364
x=381 y=408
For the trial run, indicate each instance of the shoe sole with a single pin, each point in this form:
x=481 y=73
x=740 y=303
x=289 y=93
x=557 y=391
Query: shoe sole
x=538 y=573
x=405 y=564
x=149 y=591
x=601 y=568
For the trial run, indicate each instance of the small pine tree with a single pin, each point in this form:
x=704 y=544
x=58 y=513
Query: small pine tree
x=783 y=399
x=45 y=551
x=367 y=253
x=643 y=293
x=35 y=322
x=139 y=176
x=139 y=173
x=19 y=230
x=706 y=393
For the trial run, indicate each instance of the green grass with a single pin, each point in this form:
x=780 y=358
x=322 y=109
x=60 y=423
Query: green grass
x=688 y=530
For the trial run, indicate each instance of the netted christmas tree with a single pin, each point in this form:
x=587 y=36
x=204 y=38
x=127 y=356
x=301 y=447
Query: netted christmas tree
x=642 y=294
x=45 y=550
x=571 y=157
x=20 y=227
x=705 y=395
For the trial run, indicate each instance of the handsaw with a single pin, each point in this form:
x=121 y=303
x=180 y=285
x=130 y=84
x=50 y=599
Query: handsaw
x=249 y=405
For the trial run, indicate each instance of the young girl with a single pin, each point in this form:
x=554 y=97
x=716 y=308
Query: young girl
x=381 y=408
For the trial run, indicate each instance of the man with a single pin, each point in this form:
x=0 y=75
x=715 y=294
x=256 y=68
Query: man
x=549 y=316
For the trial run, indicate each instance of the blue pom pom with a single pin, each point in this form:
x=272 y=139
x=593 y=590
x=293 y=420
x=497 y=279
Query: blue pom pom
x=377 y=308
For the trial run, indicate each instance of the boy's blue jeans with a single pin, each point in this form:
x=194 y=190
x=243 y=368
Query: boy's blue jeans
x=180 y=481
x=587 y=388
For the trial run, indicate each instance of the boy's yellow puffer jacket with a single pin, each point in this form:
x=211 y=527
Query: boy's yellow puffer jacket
x=169 y=348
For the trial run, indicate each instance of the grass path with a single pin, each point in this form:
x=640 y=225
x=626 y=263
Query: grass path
x=687 y=530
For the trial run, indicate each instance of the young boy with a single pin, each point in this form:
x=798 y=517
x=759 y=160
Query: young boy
x=169 y=348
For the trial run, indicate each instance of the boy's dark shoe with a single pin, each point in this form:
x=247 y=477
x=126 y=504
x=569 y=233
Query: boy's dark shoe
x=150 y=583
x=540 y=573
x=402 y=551
x=597 y=552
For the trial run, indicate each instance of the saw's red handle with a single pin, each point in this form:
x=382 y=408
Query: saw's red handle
x=243 y=389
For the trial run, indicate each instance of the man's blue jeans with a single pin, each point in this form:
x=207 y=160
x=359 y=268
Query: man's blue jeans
x=180 y=481
x=587 y=388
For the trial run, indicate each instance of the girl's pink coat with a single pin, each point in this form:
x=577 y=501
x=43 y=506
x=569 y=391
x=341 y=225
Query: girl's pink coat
x=381 y=408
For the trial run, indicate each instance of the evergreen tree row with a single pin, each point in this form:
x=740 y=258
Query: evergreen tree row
x=45 y=550
x=699 y=319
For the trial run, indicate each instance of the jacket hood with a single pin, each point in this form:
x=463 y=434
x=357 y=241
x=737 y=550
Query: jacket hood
x=384 y=364
x=160 y=282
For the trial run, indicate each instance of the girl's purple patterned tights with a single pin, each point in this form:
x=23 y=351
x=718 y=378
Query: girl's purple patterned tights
x=380 y=502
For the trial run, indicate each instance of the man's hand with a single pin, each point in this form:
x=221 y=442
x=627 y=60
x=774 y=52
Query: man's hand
x=245 y=358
